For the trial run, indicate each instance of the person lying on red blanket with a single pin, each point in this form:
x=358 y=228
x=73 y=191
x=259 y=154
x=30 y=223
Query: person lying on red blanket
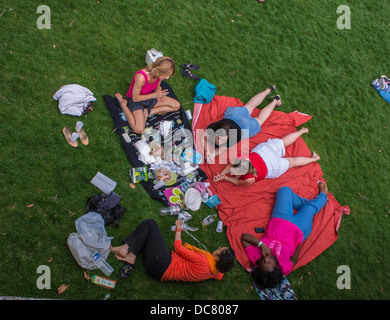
x=276 y=254
x=266 y=161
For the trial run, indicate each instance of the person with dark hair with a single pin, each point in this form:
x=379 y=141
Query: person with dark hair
x=275 y=255
x=186 y=263
x=237 y=124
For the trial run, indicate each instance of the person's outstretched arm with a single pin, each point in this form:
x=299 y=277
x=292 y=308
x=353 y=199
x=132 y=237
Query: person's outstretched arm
x=294 y=258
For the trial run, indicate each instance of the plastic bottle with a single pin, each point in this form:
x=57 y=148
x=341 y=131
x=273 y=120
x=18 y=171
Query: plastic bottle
x=209 y=219
x=185 y=227
x=171 y=210
x=102 y=264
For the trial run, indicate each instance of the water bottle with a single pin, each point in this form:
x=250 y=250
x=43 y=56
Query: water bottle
x=102 y=264
x=185 y=227
x=171 y=210
x=209 y=219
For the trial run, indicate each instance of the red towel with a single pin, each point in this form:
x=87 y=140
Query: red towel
x=243 y=208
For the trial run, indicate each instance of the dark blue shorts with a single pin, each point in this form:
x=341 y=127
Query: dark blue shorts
x=140 y=105
x=249 y=126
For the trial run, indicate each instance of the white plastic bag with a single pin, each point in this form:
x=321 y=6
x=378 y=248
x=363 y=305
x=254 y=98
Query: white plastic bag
x=91 y=238
x=91 y=229
x=152 y=55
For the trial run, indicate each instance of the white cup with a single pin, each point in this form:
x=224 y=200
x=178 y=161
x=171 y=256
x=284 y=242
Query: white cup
x=159 y=185
x=219 y=226
x=189 y=115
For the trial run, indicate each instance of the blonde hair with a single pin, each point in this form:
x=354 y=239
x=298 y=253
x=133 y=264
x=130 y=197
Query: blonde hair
x=245 y=163
x=161 y=67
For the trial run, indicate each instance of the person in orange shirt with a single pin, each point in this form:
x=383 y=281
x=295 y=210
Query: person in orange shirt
x=186 y=263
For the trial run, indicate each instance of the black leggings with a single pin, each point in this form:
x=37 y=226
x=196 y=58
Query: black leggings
x=148 y=239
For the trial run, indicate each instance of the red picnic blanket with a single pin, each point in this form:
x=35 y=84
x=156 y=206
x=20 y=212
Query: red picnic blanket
x=244 y=208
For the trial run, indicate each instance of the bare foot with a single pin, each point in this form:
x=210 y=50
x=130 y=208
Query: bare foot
x=130 y=258
x=315 y=156
x=120 y=99
x=322 y=187
x=120 y=251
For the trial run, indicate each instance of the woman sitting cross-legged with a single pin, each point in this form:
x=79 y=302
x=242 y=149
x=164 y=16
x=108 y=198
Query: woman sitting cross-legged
x=276 y=254
x=186 y=263
x=265 y=161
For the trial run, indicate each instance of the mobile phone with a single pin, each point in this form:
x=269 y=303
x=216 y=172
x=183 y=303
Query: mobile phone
x=259 y=230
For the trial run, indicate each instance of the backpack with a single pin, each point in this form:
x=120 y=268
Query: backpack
x=204 y=91
x=107 y=206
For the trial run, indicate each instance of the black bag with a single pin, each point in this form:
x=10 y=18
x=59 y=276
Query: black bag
x=107 y=206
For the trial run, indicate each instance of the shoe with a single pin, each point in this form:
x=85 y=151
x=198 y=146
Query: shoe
x=375 y=84
x=188 y=74
x=190 y=66
x=70 y=137
x=385 y=78
x=127 y=270
x=277 y=98
x=82 y=135
x=383 y=85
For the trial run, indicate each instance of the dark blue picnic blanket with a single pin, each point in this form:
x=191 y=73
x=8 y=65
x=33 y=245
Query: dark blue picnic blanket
x=179 y=122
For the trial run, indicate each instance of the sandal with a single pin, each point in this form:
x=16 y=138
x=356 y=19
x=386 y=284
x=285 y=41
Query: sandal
x=82 y=135
x=277 y=98
x=190 y=66
x=272 y=88
x=70 y=137
x=188 y=74
x=127 y=270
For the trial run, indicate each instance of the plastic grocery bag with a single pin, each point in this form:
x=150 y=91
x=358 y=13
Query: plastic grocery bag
x=90 y=238
x=91 y=229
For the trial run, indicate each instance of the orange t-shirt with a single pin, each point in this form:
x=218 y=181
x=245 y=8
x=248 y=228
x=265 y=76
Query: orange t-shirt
x=188 y=265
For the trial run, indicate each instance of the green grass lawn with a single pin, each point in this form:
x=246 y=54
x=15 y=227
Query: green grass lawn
x=242 y=48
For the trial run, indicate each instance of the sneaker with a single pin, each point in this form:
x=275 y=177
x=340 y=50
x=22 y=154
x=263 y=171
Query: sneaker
x=375 y=84
x=385 y=78
x=384 y=86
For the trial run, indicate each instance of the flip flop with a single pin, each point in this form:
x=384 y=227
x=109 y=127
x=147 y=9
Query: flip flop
x=70 y=138
x=190 y=66
x=82 y=135
x=188 y=74
x=127 y=270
